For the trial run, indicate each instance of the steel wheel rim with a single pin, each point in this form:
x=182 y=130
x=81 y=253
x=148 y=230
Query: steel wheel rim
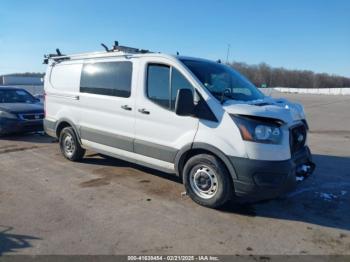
x=204 y=182
x=68 y=145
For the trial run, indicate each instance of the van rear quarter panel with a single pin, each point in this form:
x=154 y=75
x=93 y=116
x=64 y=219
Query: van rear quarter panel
x=61 y=86
x=66 y=77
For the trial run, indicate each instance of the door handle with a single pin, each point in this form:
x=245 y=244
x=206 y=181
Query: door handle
x=144 y=111
x=126 y=107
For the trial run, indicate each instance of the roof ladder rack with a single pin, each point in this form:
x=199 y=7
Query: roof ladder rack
x=116 y=48
x=119 y=48
x=56 y=57
x=126 y=49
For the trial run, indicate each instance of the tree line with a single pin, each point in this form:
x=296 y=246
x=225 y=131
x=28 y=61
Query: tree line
x=263 y=75
x=29 y=74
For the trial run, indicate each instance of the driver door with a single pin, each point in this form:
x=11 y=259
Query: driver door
x=159 y=132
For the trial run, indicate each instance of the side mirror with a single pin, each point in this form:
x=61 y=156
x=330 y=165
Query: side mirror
x=37 y=98
x=184 y=105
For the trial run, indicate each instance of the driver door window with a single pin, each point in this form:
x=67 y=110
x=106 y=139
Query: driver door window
x=163 y=82
x=178 y=81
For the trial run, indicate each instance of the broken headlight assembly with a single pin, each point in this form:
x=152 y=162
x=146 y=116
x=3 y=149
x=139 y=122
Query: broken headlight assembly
x=259 y=129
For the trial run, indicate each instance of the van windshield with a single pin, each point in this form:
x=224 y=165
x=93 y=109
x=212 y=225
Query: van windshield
x=222 y=81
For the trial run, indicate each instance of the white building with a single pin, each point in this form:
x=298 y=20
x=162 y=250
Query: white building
x=21 y=80
x=33 y=84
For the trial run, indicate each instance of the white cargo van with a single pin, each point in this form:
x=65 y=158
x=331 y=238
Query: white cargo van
x=196 y=118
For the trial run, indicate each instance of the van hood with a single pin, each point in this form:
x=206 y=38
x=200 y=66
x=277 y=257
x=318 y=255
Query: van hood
x=21 y=108
x=279 y=108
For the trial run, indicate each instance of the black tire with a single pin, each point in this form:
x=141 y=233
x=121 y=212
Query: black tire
x=203 y=166
x=75 y=152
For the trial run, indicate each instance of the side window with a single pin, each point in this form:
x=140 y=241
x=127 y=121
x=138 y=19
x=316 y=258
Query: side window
x=162 y=85
x=107 y=78
x=178 y=81
x=158 y=82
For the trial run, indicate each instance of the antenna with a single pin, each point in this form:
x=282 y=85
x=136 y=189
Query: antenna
x=228 y=53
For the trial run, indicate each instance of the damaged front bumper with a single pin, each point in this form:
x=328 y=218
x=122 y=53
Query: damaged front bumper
x=260 y=179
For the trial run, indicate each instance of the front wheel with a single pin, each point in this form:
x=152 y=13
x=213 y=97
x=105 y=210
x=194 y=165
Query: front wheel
x=207 y=181
x=70 y=146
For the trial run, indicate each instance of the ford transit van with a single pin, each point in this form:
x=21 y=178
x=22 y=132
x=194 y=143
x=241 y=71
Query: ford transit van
x=196 y=118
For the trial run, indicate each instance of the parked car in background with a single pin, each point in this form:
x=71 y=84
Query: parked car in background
x=20 y=112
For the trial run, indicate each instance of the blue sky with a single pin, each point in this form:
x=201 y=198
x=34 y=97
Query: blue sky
x=298 y=34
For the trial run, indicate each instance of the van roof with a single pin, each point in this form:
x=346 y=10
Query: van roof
x=102 y=54
x=115 y=51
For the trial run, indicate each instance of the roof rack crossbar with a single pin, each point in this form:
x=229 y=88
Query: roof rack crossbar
x=57 y=56
x=128 y=49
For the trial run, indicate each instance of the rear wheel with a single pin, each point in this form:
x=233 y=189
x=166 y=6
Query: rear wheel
x=207 y=181
x=69 y=145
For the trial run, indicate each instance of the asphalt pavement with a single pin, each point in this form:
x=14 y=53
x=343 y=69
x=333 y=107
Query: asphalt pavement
x=49 y=205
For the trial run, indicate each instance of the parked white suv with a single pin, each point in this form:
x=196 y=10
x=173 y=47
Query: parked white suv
x=196 y=118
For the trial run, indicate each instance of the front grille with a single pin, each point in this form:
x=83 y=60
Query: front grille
x=29 y=117
x=297 y=138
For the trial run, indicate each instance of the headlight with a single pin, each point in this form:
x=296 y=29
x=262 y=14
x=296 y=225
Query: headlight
x=4 y=114
x=259 y=129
